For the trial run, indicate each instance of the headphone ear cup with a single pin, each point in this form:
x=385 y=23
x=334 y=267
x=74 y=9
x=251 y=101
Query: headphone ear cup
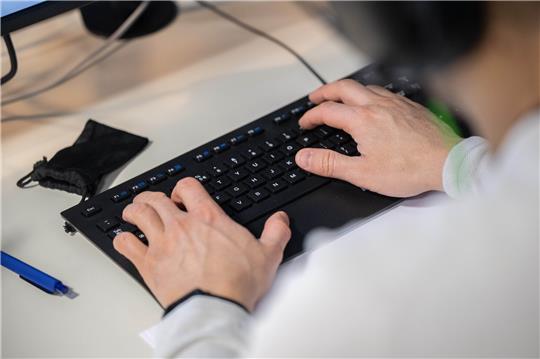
x=102 y=18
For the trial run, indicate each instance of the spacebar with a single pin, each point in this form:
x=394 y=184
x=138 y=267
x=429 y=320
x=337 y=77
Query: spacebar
x=278 y=200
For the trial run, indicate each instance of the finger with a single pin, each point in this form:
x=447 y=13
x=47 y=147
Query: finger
x=130 y=247
x=145 y=218
x=330 y=113
x=276 y=235
x=328 y=163
x=346 y=91
x=163 y=205
x=193 y=196
x=381 y=91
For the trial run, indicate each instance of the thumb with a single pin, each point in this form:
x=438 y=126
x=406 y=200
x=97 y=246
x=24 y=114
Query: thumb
x=327 y=163
x=276 y=234
x=130 y=247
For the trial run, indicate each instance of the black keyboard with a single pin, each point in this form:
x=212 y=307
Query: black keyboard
x=251 y=173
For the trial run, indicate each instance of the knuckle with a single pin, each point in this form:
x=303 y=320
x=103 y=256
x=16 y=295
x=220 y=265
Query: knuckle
x=328 y=163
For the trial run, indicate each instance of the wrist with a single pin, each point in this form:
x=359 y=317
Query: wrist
x=198 y=292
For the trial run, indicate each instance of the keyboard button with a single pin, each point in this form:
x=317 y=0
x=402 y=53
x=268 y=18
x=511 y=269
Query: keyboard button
x=272 y=172
x=323 y=131
x=253 y=152
x=157 y=178
x=115 y=232
x=217 y=170
x=203 y=156
x=221 y=147
x=202 y=178
x=307 y=139
x=107 y=224
x=279 y=119
x=236 y=140
x=348 y=149
x=221 y=198
x=91 y=210
x=142 y=237
x=139 y=187
x=325 y=144
x=237 y=190
x=288 y=164
x=174 y=169
x=298 y=110
x=290 y=148
x=255 y=131
x=258 y=195
x=273 y=157
x=256 y=165
x=238 y=174
x=220 y=183
x=120 y=196
x=254 y=181
x=241 y=203
x=276 y=185
x=208 y=188
x=234 y=161
x=339 y=138
x=288 y=135
x=294 y=177
x=269 y=145
x=309 y=105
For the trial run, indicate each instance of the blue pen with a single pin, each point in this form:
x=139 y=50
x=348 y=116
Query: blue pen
x=34 y=276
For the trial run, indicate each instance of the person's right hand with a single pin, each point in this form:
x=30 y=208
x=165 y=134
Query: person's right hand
x=403 y=145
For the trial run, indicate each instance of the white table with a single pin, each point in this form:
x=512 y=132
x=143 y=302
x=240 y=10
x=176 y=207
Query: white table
x=181 y=87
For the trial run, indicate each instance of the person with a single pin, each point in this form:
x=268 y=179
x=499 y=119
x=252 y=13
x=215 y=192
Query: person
x=460 y=281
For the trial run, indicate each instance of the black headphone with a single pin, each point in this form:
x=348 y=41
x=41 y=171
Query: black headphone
x=419 y=34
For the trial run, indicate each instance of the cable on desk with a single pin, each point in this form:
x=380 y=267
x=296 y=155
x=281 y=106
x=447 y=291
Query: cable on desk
x=261 y=33
x=12 y=60
x=96 y=56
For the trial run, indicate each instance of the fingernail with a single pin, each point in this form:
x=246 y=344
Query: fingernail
x=303 y=157
x=284 y=217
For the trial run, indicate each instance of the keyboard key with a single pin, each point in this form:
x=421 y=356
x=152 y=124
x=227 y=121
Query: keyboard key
x=326 y=144
x=255 y=131
x=258 y=195
x=309 y=104
x=298 y=110
x=255 y=181
x=241 y=203
x=290 y=148
x=269 y=145
x=276 y=185
x=157 y=178
x=236 y=140
x=294 y=177
x=217 y=170
x=253 y=152
x=142 y=237
x=237 y=190
x=203 y=156
x=208 y=188
x=288 y=164
x=306 y=139
x=115 y=232
x=174 y=169
x=91 y=210
x=220 y=183
x=323 y=131
x=202 y=178
x=107 y=224
x=221 y=198
x=234 y=161
x=120 y=196
x=256 y=165
x=238 y=174
x=348 y=149
x=288 y=135
x=273 y=157
x=279 y=119
x=221 y=147
x=339 y=138
x=139 y=187
x=272 y=172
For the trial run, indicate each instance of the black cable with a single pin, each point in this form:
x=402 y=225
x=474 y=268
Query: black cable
x=262 y=34
x=12 y=60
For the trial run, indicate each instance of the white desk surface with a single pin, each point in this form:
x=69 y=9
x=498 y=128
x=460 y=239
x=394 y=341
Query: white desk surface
x=181 y=87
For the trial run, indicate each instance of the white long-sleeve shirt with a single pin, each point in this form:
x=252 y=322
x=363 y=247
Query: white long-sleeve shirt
x=460 y=281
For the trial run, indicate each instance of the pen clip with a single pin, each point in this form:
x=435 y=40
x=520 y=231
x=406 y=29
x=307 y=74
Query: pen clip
x=36 y=285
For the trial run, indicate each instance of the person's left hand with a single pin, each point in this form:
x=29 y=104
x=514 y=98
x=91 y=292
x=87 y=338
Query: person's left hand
x=200 y=247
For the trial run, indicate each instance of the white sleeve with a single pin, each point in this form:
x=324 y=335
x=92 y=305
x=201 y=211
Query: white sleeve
x=464 y=166
x=203 y=326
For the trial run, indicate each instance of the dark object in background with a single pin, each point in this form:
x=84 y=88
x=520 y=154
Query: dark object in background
x=102 y=18
x=415 y=33
x=99 y=150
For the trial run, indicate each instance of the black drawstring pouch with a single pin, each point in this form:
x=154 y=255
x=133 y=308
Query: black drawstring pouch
x=78 y=169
